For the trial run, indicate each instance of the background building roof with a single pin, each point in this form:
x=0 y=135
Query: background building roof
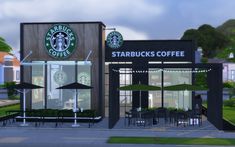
x=16 y=62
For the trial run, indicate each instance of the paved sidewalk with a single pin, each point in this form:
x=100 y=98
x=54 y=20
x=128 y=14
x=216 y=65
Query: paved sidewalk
x=97 y=136
x=17 y=136
x=8 y=102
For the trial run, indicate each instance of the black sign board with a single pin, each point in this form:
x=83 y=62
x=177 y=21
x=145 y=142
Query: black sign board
x=152 y=50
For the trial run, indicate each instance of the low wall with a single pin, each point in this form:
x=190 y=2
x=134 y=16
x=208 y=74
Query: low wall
x=3 y=94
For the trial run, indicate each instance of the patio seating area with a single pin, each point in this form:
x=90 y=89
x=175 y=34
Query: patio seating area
x=162 y=126
x=165 y=116
x=40 y=117
x=103 y=124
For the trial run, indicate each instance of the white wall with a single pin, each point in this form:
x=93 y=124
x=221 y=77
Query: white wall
x=1 y=74
x=16 y=70
x=228 y=75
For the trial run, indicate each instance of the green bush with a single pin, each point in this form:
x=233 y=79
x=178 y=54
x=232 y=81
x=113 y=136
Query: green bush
x=171 y=109
x=230 y=102
x=204 y=60
x=180 y=110
x=152 y=108
x=14 y=97
x=10 y=92
x=65 y=113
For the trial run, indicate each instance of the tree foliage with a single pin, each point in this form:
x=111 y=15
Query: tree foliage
x=200 y=79
x=227 y=28
x=230 y=86
x=4 y=47
x=208 y=38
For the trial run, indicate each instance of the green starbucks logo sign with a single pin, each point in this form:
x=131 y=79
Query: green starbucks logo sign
x=60 y=41
x=84 y=78
x=60 y=77
x=114 y=39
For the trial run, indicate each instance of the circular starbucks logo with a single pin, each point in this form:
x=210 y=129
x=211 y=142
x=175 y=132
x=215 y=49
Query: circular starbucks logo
x=60 y=77
x=60 y=41
x=84 y=78
x=114 y=39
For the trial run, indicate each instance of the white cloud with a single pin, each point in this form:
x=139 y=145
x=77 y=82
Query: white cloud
x=115 y=12
x=153 y=19
x=43 y=10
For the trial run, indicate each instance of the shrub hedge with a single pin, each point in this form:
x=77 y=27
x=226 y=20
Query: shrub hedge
x=56 y=112
x=230 y=102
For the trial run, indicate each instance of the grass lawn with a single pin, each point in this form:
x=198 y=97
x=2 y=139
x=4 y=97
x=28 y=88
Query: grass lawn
x=10 y=107
x=229 y=113
x=177 y=141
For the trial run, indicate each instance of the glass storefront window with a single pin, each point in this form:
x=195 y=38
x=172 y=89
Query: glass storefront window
x=84 y=77
x=125 y=78
x=38 y=74
x=155 y=79
x=60 y=73
x=177 y=99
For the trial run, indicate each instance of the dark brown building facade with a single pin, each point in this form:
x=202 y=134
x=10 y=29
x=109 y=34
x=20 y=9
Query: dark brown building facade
x=57 y=54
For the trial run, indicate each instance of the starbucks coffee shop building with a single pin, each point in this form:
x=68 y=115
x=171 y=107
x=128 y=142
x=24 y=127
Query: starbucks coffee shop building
x=57 y=54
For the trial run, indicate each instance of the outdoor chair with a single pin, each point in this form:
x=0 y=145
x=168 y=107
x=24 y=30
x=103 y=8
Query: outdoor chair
x=139 y=118
x=10 y=117
x=160 y=113
x=132 y=117
x=38 y=116
x=147 y=118
x=7 y=119
x=61 y=114
x=18 y=115
x=182 y=118
x=128 y=118
x=195 y=117
x=172 y=115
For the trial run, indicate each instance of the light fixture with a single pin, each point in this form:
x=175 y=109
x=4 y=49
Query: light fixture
x=231 y=55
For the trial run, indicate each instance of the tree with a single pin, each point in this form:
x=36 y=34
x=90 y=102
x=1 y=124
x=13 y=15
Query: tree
x=227 y=28
x=213 y=40
x=208 y=38
x=4 y=47
x=200 y=79
x=193 y=34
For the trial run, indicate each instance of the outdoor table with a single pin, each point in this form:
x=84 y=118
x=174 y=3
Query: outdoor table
x=182 y=118
x=138 y=117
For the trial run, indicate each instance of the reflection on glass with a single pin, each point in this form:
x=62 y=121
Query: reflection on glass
x=38 y=79
x=84 y=77
x=125 y=78
x=177 y=99
x=155 y=79
x=59 y=73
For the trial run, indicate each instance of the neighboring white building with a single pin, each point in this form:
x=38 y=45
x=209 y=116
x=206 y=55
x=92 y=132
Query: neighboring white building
x=228 y=67
x=9 y=68
x=228 y=72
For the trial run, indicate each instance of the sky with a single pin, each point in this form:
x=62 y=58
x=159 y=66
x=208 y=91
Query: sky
x=134 y=19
